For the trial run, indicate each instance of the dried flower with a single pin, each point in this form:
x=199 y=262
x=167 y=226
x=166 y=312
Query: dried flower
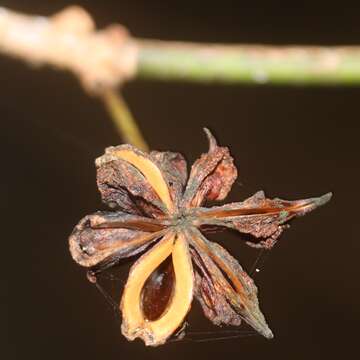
x=159 y=212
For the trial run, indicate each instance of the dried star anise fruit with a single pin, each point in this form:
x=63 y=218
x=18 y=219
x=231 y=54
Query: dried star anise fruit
x=159 y=211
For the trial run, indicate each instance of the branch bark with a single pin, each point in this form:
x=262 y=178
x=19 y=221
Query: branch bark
x=104 y=59
x=69 y=40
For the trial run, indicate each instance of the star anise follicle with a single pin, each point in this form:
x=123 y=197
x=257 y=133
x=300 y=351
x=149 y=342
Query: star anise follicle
x=158 y=211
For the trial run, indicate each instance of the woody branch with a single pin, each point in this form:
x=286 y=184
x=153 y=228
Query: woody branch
x=103 y=59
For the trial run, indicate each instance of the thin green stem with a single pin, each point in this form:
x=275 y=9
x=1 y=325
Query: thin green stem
x=248 y=64
x=123 y=120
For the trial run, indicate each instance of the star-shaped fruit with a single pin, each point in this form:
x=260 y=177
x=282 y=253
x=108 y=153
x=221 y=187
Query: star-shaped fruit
x=157 y=210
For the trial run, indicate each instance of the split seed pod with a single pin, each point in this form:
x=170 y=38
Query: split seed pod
x=157 y=210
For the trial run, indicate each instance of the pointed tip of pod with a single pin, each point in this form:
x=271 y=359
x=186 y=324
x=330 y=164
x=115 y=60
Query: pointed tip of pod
x=261 y=326
x=322 y=200
x=255 y=318
x=211 y=138
x=268 y=333
x=307 y=205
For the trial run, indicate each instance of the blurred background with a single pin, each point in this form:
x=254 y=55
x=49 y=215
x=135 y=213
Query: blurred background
x=292 y=142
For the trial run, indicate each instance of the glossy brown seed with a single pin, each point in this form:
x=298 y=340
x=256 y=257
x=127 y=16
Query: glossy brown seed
x=158 y=290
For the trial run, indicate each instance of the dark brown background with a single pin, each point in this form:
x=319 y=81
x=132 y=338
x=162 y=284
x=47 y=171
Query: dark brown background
x=291 y=142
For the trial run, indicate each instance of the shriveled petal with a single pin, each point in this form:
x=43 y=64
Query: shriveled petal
x=109 y=237
x=261 y=217
x=135 y=324
x=174 y=169
x=238 y=288
x=211 y=176
x=131 y=180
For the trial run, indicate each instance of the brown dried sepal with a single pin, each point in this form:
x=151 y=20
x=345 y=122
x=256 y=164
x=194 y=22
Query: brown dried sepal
x=130 y=179
x=258 y=216
x=93 y=241
x=211 y=176
x=237 y=287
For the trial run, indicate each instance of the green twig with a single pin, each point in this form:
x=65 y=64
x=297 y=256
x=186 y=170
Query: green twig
x=123 y=119
x=248 y=64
